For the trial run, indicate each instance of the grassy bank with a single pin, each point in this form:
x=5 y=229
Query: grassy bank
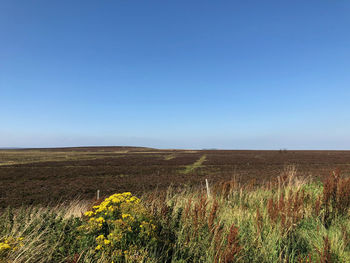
x=290 y=219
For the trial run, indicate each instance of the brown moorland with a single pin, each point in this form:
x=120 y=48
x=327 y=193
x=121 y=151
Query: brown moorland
x=50 y=176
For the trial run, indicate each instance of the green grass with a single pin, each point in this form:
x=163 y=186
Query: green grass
x=169 y=157
x=197 y=164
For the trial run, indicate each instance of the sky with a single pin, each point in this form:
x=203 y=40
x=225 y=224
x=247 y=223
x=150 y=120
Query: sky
x=175 y=74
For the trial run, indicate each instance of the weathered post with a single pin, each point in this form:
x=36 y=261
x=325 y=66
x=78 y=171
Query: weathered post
x=98 y=195
x=208 y=190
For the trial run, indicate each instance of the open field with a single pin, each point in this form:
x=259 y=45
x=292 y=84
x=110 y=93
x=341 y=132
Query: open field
x=264 y=206
x=42 y=176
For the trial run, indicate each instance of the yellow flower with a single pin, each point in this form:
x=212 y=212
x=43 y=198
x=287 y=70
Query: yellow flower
x=100 y=237
x=100 y=219
x=126 y=216
x=98 y=247
x=88 y=213
x=4 y=246
x=107 y=242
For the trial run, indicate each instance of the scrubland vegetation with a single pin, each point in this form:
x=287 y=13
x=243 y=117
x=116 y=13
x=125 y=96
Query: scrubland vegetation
x=290 y=219
x=51 y=176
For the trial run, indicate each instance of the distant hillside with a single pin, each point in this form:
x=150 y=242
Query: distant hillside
x=84 y=148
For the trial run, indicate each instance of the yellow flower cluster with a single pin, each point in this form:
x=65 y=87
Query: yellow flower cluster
x=110 y=204
x=128 y=216
x=109 y=209
x=118 y=223
x=9 y=244
x=102 y=242
x=147 y=228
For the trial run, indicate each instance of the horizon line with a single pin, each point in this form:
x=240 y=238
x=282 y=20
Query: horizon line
x=184 y=149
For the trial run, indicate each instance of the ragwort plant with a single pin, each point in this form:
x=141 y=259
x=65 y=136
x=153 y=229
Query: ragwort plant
x=120 y=228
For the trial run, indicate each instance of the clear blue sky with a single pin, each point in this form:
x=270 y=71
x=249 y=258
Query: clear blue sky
x=181 y=73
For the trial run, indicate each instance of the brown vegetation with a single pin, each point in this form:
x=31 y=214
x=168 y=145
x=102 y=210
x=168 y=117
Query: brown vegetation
x=42 y=176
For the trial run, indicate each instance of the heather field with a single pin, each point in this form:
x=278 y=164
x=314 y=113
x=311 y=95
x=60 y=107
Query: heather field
x=51 y=176
x=262 y=206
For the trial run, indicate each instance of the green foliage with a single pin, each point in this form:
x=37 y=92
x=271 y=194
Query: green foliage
x=289 y=222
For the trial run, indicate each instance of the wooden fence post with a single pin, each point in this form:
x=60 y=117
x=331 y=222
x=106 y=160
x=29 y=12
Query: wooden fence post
x=207 y=185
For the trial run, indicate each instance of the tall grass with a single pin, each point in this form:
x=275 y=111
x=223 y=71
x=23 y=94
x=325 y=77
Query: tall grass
x=49 y=234
x=290 y=219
